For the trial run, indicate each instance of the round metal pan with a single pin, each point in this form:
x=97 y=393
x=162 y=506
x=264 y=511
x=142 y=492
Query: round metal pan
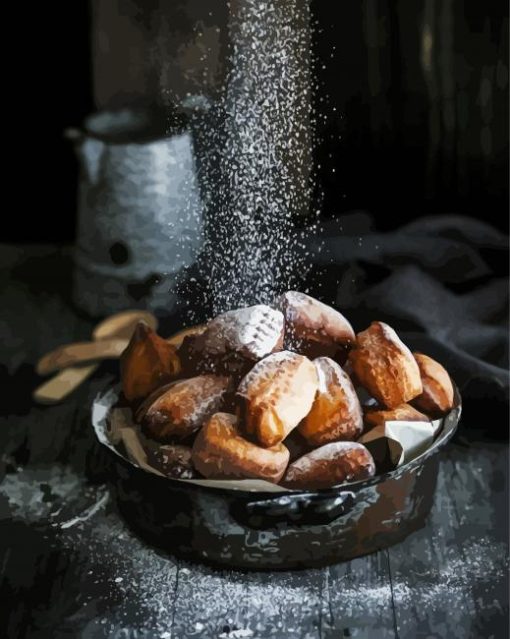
x=280 y=530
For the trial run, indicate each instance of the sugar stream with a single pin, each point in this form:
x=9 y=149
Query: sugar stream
x=263 y=161
x=253 y=155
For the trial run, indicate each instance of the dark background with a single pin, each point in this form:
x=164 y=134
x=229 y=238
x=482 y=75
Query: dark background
x=378 y=147
x=49 y=78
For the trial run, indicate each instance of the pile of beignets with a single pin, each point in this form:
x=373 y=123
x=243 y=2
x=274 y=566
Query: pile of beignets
x=280 y=394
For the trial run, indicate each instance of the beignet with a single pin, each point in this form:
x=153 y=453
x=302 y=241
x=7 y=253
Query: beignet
x=329 y=465
x=148 y=362
x=221 y=452
x=384 y=366
x=275 y=396
x=437 y=397
x=313 y=328
x=183 y=407
x=233 y=341
x=336 y=412
x=404 y=412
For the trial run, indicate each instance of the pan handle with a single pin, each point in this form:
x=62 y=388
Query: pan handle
x=303 y=509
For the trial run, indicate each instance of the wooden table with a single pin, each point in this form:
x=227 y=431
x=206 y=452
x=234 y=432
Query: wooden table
x=71 y=568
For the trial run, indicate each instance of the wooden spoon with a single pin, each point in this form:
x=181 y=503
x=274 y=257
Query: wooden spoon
x=80 y=353
x=118 y=327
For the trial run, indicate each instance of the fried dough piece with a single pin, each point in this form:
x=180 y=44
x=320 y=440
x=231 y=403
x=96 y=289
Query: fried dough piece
x=336 y=412
x=149 y=361
x=313 y=328
x=275 y=396
x=437 y=397
x=330 y=465
x=221 y=452
x=384 y=366
x=183 y=407
x=233 y=341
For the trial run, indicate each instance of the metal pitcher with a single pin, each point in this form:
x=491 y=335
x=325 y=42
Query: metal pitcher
x=139 y=212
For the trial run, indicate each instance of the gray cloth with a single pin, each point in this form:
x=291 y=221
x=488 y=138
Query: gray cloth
x=440 y=281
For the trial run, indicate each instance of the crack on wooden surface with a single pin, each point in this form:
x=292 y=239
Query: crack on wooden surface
x=393 y=607
x=174 y=599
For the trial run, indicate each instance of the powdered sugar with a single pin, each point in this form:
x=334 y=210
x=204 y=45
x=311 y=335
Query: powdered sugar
x=254 y=331
x=308 y=318
x=322 y=374
x=270 y=368
x=187 y=404
x=255 y=174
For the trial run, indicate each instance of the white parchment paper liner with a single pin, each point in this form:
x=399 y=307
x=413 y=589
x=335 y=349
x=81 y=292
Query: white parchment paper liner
x=406 y=440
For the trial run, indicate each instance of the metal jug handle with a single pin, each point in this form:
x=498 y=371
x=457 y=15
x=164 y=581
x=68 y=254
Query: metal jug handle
x=90 y=152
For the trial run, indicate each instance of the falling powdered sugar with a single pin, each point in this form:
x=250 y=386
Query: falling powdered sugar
x=257 y=170
x=255 y=332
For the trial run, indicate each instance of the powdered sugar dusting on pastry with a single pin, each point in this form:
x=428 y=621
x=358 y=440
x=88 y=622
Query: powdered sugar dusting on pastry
x=309 y=319
x=330 y=464
x=269 y=368
x=321 y=375
x=185 y=406
x=296 y=297
x=254 y=331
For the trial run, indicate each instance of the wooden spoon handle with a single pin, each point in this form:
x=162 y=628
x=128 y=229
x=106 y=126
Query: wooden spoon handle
x=61 y=385
x=80 y=353
x=121 y=326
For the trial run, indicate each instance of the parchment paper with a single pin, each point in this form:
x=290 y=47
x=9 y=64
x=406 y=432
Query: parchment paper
x=401 y=441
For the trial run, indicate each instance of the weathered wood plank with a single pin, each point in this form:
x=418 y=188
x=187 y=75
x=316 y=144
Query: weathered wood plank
x=478 y=485
x=88 y=576
x=231 y=604
x=439 y=572
x=358 y=601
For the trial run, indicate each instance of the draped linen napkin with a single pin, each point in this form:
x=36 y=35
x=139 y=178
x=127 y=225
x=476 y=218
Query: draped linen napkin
x=441 y=282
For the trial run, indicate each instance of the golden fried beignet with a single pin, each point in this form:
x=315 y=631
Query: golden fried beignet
x=336 y=412
x=220 y=452
x=233 y=341
x=437 y=397
x=329 y=465
x=183 y=407
x=313 y=328
x=378 y=416
x=384 y=366
x=275 y=396
x=148 y=362
x=253 y=332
